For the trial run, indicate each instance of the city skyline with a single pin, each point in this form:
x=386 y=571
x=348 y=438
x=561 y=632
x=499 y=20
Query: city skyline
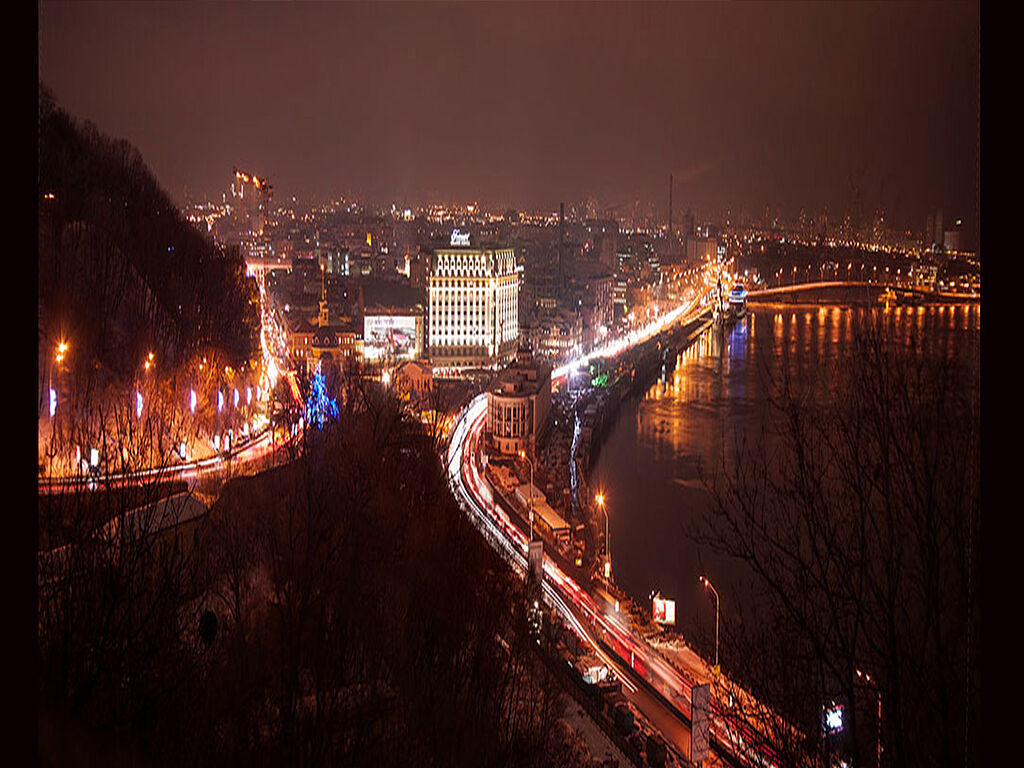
x=791 y=107
x=541 y=385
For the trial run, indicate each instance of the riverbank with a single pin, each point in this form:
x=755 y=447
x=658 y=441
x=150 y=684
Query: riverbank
x=584 y=411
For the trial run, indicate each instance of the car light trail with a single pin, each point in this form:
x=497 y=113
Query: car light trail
x=734 y=739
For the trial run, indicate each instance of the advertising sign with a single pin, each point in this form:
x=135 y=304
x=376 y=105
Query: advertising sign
x=394 y=332
x=664 y=611
x=701 y=730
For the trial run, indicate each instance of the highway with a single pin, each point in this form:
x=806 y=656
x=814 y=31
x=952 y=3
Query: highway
x=640 y=667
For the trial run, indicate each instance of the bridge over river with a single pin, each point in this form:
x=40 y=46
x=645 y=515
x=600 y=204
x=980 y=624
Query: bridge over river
x=852 y=293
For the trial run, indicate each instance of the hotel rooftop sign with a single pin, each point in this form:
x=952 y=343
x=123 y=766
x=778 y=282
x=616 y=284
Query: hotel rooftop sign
x=459 y=238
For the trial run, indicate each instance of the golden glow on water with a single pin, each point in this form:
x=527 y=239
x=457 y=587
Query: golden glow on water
x=691 y=424
x=720 y=370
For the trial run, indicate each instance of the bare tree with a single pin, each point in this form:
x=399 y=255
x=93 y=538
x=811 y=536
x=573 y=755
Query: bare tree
x=859 y=518
x=118 y=572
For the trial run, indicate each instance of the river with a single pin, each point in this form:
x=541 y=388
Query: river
x=649 y=467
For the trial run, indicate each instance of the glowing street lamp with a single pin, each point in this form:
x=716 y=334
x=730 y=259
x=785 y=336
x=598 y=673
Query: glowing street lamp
x=607 y=540
x=706 y=583
x=62 y=349
x=192 y=400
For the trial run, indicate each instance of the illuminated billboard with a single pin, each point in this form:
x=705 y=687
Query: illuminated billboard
x=664 y=611
x=390 y=334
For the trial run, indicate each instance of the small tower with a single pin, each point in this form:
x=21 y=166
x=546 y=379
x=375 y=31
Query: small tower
x=323 y=298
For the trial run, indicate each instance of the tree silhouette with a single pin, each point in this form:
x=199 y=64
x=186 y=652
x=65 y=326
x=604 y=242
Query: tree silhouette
x=859 y=518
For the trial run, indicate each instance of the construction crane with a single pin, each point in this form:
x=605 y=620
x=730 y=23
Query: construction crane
x=263 y=185
x=265 y=190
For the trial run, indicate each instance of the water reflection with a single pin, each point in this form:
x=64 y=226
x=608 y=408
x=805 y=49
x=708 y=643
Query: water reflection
x=691 y=423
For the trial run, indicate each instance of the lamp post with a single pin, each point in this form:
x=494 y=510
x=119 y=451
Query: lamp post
x=607 y=539
x=147 y=364
x=706 y=583
x=522 y=455
x=62 y=349
x=874 y=685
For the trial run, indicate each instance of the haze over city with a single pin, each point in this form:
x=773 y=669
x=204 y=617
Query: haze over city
x=539 y=385
x=510 y=105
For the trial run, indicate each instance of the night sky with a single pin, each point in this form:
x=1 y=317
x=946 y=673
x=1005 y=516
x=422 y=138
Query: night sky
x=526 y=105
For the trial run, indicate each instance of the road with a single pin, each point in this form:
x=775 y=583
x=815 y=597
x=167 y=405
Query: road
x=258 y=448
x=658 y=690
x=640 y=667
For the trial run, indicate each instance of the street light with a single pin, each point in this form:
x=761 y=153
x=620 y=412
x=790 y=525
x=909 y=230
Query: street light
x=62 y=349
x=874 y=685
x=706 y=583
x=607 y=539
x=522 y=455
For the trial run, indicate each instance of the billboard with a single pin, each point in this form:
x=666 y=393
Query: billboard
x=701 y=723
x=664 y=611
x=396 y=333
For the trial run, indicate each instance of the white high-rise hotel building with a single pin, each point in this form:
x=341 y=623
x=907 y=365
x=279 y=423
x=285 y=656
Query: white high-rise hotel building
x=474 y=306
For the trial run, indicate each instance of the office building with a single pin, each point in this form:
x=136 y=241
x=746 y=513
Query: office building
x=518 y=405
x=473 y=313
